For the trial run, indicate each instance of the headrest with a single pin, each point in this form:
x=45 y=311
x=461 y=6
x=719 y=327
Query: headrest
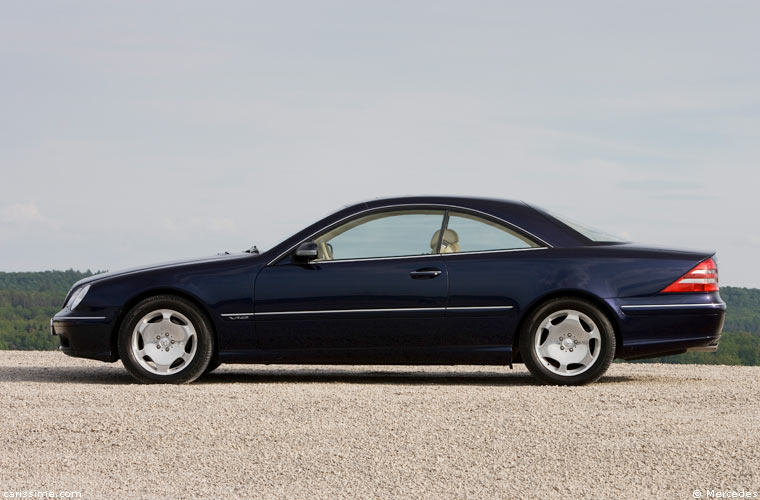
x=449 y=235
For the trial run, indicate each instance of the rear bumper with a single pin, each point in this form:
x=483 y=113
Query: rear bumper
x=669 y=324
x=84 y=336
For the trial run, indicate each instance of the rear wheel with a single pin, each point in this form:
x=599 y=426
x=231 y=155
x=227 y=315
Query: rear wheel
x=165 y=339
x=567 y=341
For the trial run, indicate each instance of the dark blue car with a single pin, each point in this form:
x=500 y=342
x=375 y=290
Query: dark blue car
x=416 y=280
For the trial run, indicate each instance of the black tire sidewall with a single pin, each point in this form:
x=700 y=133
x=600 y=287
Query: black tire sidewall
x=213 y=365
x=204 y=350
x=606 y=330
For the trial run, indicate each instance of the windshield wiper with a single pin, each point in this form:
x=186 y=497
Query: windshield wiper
x=253 y=249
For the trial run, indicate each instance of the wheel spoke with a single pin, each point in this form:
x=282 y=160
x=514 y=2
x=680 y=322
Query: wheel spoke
x=148 y=341
x=189 y=332
x=543 y=350
x=587 y=359
x=141 y=326
x=162 y=368
x=572 y=320
x=594 y=334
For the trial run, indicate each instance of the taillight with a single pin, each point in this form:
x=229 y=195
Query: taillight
x=703 y=278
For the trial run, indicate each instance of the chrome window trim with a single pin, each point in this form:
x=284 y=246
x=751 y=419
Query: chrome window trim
x=391 y=309
x=411 y=205
x=336 y=261
x=364 y=259
x=671 y=306
x=77 y=318
x=493 y=251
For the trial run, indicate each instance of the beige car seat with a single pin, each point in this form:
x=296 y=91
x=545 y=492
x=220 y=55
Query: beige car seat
x=449 y=244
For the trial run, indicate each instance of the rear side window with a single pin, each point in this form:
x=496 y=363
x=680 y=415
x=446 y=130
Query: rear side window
x=588 y=232
x=470 y=233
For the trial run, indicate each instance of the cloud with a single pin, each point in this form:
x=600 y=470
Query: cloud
x=22 y=213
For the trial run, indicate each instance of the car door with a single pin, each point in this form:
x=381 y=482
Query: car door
x=378 y=284
x=488 y=272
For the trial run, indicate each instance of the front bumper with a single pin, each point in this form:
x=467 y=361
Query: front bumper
x=84 y=336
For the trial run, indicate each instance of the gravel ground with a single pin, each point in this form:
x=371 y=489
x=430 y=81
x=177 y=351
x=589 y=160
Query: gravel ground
x=248 y=431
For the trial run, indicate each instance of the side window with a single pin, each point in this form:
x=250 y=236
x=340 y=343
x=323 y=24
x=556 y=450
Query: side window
x=469 y=233
x=386 y=234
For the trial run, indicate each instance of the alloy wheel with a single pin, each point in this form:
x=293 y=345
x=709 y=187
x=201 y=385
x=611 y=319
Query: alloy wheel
x=567 y=342
x=164 y=342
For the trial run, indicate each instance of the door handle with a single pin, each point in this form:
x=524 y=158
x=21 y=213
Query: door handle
x=426 y=273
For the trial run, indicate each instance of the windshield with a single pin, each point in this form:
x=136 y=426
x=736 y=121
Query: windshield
x=588 y=232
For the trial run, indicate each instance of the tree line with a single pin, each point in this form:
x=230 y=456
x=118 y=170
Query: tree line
x=29 y=300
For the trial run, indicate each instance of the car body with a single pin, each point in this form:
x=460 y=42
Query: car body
x=337 y=293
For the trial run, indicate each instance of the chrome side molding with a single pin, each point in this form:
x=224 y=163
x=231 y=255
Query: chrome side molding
x=247 y=315
x=673 y=306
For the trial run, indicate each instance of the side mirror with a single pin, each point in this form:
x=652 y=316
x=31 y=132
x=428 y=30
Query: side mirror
x=307 y=251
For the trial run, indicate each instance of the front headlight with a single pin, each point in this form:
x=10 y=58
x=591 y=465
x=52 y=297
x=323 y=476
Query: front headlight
x=77 y=297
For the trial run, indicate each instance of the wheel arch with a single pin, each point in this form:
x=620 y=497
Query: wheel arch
x=601 y=304
x=132 y=302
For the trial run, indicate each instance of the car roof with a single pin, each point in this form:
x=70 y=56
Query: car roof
x=517 y=213
x=465 y=201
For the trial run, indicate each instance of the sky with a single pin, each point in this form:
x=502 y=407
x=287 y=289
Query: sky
x=138 y=132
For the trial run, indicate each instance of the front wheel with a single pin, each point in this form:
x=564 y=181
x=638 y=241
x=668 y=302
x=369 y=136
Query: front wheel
x=567 y=341
x=165 y=339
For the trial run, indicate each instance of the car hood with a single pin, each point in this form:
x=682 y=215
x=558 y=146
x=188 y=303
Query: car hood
x=163 y=265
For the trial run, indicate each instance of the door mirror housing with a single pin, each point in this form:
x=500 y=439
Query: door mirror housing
x=307 y=251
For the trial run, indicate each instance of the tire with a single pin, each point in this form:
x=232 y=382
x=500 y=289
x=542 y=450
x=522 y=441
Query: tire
x=567 y=341
x=213 y=365
x=166 y=339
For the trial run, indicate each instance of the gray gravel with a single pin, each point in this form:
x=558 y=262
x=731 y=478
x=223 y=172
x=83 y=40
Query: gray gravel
x=644 y=430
